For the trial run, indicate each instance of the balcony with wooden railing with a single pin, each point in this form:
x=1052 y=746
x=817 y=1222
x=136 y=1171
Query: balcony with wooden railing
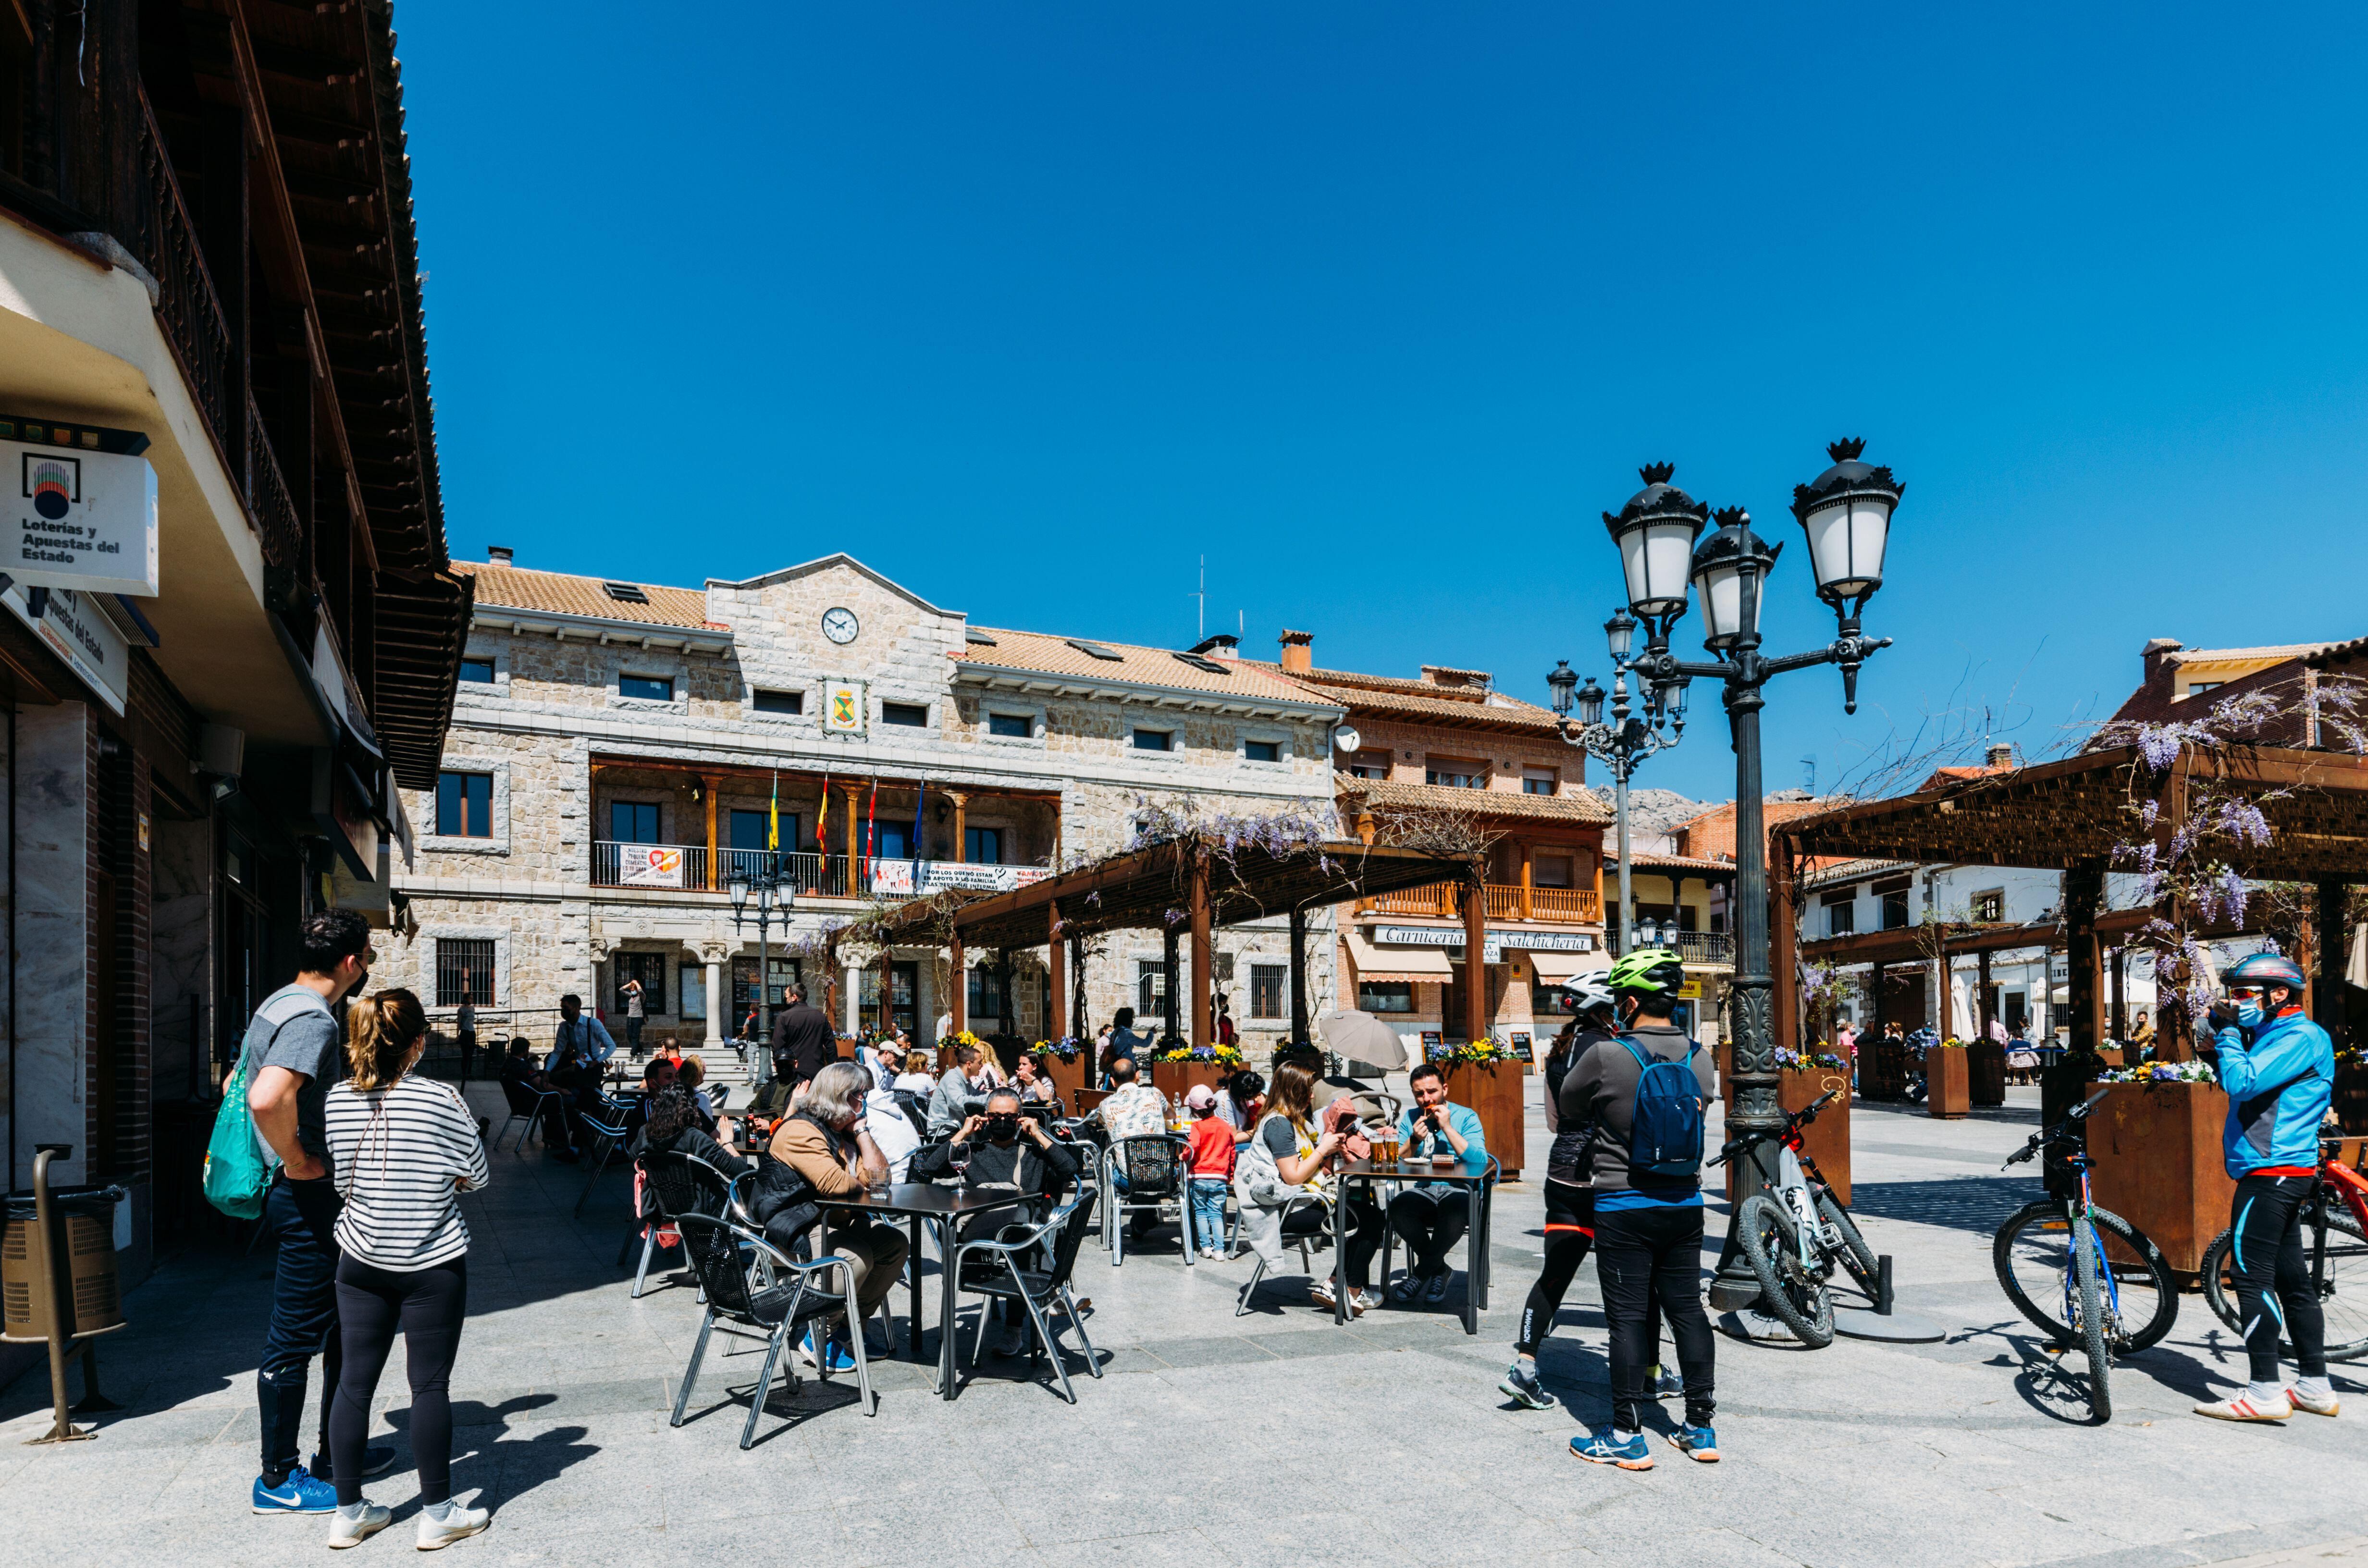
x=1444 y=900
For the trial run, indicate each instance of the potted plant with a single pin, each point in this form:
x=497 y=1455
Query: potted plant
x=1986 y=1072
x=1801 y=1077
x=1179 y=1067
x=1068 y=1062
x=2159 y=1165
x=1488 y=1077
x=947 y=1046
x=1948 y=1087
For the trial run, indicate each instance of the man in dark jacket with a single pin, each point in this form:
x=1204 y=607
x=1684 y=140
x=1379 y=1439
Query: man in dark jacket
x=802 y=1033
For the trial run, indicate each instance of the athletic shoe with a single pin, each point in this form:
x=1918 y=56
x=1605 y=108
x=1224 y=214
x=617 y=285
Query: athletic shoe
x=1408 y=1286
x=1012 y=1341
x=458 y=1525
x=1520 y=1384
x=1320 y=1293
x=837 y=1357
x=2303 y=1402
x=299 y=1492
x=1602 y=1447
x=344 y=1532
x=2243 y=1409
x=377 y=1459
x=1436 y=1291
x=1667 y=1384
x=1698 y=1443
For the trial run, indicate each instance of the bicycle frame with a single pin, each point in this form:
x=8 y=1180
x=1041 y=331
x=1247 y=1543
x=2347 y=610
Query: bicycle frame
x=2084 y=1207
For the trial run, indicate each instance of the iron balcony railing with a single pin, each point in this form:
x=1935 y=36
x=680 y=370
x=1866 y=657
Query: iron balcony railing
x=1567 y=906
x=687 y=867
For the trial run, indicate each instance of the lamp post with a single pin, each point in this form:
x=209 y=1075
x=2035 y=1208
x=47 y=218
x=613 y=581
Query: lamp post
x=1664 y=521
x=1845 y=514
x=766 y=881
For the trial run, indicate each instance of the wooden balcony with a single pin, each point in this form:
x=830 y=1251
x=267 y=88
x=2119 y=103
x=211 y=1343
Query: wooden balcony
x=1561 y=907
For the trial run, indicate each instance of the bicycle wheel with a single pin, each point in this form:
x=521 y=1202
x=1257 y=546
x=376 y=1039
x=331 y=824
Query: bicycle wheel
x=2033 y=1255
x=2338 y=1266
x=2090 y=1304
x=1796 y=1297
x=1856 y=1256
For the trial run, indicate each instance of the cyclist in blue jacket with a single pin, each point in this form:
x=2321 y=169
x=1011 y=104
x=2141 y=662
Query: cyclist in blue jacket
x=2278 y=1070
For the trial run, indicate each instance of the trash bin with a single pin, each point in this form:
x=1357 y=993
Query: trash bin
x=89 y=1216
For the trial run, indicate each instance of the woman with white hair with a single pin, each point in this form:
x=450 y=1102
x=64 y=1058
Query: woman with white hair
x=824 y=1151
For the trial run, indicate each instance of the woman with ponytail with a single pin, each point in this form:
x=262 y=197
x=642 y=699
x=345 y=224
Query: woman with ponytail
x=404 y=1149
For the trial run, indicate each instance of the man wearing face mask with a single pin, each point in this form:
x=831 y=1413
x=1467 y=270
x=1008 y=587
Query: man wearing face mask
x=2278 y=1070
x=1001 y=1151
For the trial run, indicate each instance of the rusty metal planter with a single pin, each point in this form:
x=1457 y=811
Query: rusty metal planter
x=1948 y=1087
x=1494 y=1090
x=2157 y=1148
x=1827 y=1140
x=1986 y=1073
x=1172 y=1078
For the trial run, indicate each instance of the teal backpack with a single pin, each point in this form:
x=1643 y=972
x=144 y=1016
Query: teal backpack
x=238 y=1170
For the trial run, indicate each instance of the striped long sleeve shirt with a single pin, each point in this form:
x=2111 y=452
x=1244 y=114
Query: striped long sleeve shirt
x=398 y=1154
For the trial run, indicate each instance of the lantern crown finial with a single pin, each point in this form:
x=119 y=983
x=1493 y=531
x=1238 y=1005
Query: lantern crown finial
x=1657 y=474
x=1846 y=449
x=1731 y=518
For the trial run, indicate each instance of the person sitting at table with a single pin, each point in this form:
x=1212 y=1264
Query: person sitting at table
x=966 y=1081
x=1240 y=1100
x=1002 y=1151
x=885 y=1119
x=1135 y=1109
x=913 y=1076
x=881 y=1059
x=822 y=1151
x=1289 y=1156
x=1433 y=1216
x=691 y=1074
x=1033 y=1080
x=520 y=1071
x=771 y=1100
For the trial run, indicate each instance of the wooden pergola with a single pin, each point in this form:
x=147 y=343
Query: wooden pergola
x=1182 y=890
x=2069 y=816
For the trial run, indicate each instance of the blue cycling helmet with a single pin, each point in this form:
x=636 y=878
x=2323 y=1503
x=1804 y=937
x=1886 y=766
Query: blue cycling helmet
x=2264 y=968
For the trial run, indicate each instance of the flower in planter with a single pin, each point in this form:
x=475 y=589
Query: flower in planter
x=2160 y=1073
x=1067 y=1047
x=1471 y=1051
x=1223 y=1055
x=1791 y=1060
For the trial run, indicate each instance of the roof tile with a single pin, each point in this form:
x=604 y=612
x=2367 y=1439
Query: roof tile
x=1058 y=655
x=560 y=592
x=1582 y=807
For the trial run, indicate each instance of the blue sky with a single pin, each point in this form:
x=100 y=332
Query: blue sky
x=1379 y=306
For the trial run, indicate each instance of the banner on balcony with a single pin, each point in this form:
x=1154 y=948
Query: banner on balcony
x=904 y=879
x=81 y=520
x=649 y=866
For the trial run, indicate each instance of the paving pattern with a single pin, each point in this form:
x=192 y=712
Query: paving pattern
x=1275 y=1439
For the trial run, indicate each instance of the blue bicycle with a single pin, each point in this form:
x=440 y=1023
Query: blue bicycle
x=2084 y=1274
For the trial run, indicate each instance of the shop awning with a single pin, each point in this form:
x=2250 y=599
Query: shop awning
x=1561 y=966
x=1398 y=963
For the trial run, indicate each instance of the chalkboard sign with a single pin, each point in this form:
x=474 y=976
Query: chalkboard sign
x=1521 y=1045
x=1431 y=1044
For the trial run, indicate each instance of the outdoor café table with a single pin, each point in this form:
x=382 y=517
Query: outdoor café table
x=1460 y=1173
x=942 y=1207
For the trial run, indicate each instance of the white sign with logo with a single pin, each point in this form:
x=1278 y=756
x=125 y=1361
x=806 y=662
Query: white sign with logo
x=842 y=707
x=77 y=632
x=898 y=879
x=1493 y=943
x=649 y=866
x=79 y=519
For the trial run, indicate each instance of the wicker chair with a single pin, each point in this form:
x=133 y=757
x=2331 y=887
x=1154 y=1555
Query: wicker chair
x=1156 y=1167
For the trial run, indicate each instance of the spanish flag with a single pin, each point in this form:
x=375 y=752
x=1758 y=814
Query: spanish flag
x=822 y=819
x=773 y=823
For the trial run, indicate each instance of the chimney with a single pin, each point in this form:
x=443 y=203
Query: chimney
x=2000 y=756
x=2157 y=653
x=499 y=554
x=1298 y=653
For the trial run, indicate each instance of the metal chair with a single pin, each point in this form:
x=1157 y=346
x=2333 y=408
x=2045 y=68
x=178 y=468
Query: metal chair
x=1298 y=1203
x=1156 y=1167
x=774 y=1313
x=1039 y=1290
x=607 y=1137
x=1481 y=1197
x=675 y=1184
x=527 y=1104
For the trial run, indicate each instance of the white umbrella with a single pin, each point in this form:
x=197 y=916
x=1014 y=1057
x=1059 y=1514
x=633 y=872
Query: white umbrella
x=1360 y=1037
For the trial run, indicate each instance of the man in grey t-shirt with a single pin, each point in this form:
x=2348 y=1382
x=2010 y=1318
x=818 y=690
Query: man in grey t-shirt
x=293 y=1052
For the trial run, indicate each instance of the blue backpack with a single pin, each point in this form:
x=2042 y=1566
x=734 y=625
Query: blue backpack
x=1665 y=1134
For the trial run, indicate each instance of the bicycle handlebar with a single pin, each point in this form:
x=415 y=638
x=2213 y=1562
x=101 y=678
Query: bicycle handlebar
x=1798 y=1119
x=2062 y=1130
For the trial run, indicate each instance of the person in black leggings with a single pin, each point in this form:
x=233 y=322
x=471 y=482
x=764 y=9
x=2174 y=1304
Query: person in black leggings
x=427 y=1306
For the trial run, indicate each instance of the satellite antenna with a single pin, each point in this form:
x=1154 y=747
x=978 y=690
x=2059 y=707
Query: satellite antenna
x=1200 y=607
x=1809 y=778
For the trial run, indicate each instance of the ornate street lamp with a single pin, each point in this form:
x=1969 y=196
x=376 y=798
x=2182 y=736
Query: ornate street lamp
x=766 y=881
x=1846 y=514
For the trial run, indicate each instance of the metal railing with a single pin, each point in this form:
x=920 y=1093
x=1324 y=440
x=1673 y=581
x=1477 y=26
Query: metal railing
x=275 y=520
x=1702 y=947
x=165 y=241
x=1578 y=907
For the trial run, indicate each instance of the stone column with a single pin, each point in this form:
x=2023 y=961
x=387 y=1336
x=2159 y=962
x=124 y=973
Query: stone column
x=712 y=954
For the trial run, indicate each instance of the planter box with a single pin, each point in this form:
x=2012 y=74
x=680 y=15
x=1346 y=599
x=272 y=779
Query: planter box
x=1172 y=1078
x=1828 y=1138
x=1068 y=1077
x=1948 y=1092
x=1986 y=1073
x=1496 y=1091
x=2157 y=1148
x=1882 y=1070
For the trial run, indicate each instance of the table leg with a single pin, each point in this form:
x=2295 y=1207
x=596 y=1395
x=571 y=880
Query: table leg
x=1474 y=1254
x=1340 y=1253
x=913 y=1350
x=946 y=1309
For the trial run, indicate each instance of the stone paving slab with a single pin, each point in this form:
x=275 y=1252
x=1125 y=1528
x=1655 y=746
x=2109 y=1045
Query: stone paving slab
x=1272 y=1438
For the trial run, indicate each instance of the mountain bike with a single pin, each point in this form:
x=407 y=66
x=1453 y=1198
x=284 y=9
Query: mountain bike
x=2087 y=1276
x=1793 y=1234
x=2335 y=1241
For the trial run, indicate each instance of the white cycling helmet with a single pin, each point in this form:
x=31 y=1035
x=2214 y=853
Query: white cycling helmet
x=1586 y=992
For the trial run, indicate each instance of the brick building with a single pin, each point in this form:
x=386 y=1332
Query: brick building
x=618 y=749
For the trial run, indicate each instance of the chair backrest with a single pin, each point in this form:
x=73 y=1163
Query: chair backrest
x=684 y=1184
x=521 y=1096
x=715 y=1257
x=717 y=1096
x=1072 y=1234
x=1154 y=1164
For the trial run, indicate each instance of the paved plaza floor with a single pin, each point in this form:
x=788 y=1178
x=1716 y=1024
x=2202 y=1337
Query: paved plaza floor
x=1276 y=1439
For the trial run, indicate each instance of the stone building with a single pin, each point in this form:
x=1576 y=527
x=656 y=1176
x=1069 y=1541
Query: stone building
x=620 y=750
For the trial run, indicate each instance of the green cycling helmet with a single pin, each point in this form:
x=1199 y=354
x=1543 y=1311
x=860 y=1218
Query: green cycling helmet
x=1654 y=970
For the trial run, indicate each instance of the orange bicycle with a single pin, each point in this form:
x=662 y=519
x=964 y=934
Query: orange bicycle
x=2335 y=1223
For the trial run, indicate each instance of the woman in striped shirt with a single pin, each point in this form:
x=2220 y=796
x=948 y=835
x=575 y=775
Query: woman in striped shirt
x=403 y=1149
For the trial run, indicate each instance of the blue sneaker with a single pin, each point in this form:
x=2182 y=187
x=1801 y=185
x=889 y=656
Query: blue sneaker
x=1603 y=1447
x=836 y=1357
x=300 y=1492
x=1697 y=1443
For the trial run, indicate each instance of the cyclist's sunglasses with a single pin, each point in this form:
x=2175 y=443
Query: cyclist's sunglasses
x=2244 y=994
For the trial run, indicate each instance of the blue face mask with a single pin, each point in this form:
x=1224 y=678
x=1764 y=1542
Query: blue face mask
x=2248 y=1012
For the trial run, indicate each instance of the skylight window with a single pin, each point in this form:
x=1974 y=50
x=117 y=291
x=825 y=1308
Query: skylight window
x=1198 y=662
x=626 y=593
x=1094 y=650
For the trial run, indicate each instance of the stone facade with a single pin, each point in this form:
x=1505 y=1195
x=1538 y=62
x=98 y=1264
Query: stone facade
x=1043 y=766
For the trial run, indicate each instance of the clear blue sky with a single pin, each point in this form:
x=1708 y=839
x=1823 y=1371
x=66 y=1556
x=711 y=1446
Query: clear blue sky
x=1379 y=306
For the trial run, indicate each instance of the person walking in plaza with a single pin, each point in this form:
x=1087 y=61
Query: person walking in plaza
x=291 y=1054
x=636 y=1014
x=2278 y=1070
x=1123 y=1043
x=404 y=1148
x=803 y=1031
x=1644 y=1093
x=1570 y=1194
x=1433 y=1216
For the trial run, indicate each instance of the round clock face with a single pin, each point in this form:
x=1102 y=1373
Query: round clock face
x=839 y=625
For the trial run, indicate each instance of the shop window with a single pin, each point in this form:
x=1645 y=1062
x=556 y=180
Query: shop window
x=986 y=996
x=693 y=1005
x=465 y=971
x=1270 y=984
x=464 y=805
x=904 y=987
x=1385 y=996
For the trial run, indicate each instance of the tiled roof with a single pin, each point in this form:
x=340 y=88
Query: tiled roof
x=1391 y=696
x=1670 y=862
x=1711 y=835
x=1579 y=807
x=559 y=593
x=2247 y=655
x=1035 y=650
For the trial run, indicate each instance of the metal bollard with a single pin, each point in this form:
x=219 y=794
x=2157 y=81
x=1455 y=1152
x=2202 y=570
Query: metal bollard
x=1882 y=1285
x=61 y=1291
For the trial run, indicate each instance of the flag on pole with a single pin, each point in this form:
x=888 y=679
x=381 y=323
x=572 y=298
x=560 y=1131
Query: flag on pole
x=822 y=819
x=872 y=822
x=773 y=824
x=919 y=801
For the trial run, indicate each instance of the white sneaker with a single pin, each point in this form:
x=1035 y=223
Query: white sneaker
x=457 y=1524
x=344 y=1532
x=2303 y=1402
x=2243 y=1408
